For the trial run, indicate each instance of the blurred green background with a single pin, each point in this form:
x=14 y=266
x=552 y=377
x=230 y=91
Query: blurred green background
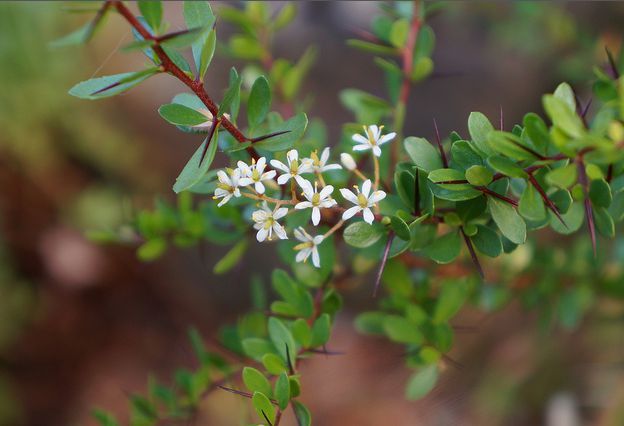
x=82 y=325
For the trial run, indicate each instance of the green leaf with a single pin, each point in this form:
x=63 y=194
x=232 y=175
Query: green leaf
x=197 y=13
x=563 y=116
x=282 y=391
x=181 y=115
x=285 y=16
x=370 y=322
x=566 y=94
x=506 y=166
x=296 y=127
x=367 y=46
x=263 y=407
x=446 y=175
x=444 y=249
x=509 y=145
x=487 y=241
x=111 y=85
x=231 y=258
x=281 y=337
x=104 y=418
x=398 y=32
x=604 y=222
x=152 y=249
x=562 y=177
x=479 y=128
x=255 y=381
x=531 y=204
x=231 y=98
x=193 y=171
x=537 y=131
x=400 y=228
x=257 y=348
x=259 y=101
x=400 y=329
x=273 y=364
x=479 y=176
x=207 y=53
x=600 y=193
x=423 y=154
x=301 y=332
x=464 y=156
x=450 y=300
x=366 y=107
x=304 y=418
x=423 y=67
x=421 y=383
x=152 y=11
x=361 y=234
x=292 y=293
x=508 y=220
x=244 y=47
x=321 y=330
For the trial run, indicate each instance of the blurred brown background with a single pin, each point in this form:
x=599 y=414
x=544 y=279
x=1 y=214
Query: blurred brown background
x=83 y=325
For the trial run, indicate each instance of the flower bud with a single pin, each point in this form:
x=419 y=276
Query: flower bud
x=347 y=161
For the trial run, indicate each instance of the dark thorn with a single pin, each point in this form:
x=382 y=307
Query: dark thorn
x=609 y=173
x=417 y=211
x=290 y=366
x=502 y=121
x=614 y=70
x=235 y=391
x=439 y=142
x=266 y=418
x=453 y=182
x=384 y=259
x=104 y=89
x=489 y=192
x=586 y=109
x=473 y=254
x=270 y=135
x=589 y=214
x=547 y=200
x=213 y=128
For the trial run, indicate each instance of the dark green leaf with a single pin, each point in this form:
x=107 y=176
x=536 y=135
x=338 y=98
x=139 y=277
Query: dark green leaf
x=444 y=249
x=423 y=154
x=193 y=171
x=259 y=101
x=181 y=115
x=487 y=241
x=480 y=127
x=508 y=220
x=361 y=234
x=282 y=391
x=111 y=85
x=295 y=128
x=531 y=204
x=304 y=418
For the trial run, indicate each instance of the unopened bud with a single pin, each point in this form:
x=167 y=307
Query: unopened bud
x=347 y=161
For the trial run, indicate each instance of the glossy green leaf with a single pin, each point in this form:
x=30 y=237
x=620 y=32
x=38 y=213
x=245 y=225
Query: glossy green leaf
x=506 y=166
x=421 y=383
x=197 y=13
x=304 y=418
x=508 y=220
x=400 y=329
x=361 y=234
x=423 y=154
x=321 y=330
x=564 y=117
x=194 y=171
x=255 y=381
x=531 y=205
x=264 y=407
x=296 y=127
x=274 y=364
x=282 y=338
x=487 y=241
x=259 y=101
x=282 y=391
x=231 y=98
x=600 y=193
x=181 y=115
x=479 y=176
x=562 y=177
x=480 y=127
x=231 y=258
x=152 y=11
x=111 y=85
x=444 y=249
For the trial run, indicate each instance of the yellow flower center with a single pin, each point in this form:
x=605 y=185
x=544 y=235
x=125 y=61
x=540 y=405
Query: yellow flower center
x=225 y=187
x=294 y=167
x=255 y=175
x=315 y=160
x=362 y=200
x=303 y=245
x=316 y=199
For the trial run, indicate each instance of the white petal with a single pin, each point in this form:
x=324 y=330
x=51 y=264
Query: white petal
x=366 y=187
x=292 y=155
x=302 y=255
x=283 y=178
x=299 y=234
x=369 y=217
x=325 y=155
x=376 y=197
x=225 y=200
x=316 y=216
x=301 y=181
x=328 y=203
x=237 y=192
x=331 y=167
x=326 y=192
x=280 y=213
x=348 y=161
x=262 y=234
x=245 y=181
x=361 y=147
x=386 y=138
x=268 y=175
x=223 y=177
x=259 y=187
x=261 y=164
x=349 y=195
x=374 y=130
x=307 y=187
x=280 y=231
x=243 y=167
x=360 y=139
x=377 y=151
x=303 y=205
x=279 y=165
x=349 y=213
x=316 y=259
x=318 y=240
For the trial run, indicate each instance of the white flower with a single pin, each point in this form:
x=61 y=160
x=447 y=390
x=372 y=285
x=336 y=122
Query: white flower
x=316 y=200
x=307 y=247
x=255 y=174
x=363 y=202
x=228 y=184
x=294 y=167
x=373 y=139
x=266 y=223
x=320 y=164
x=347 y=161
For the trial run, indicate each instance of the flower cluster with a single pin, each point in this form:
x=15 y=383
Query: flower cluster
x=251 y=181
